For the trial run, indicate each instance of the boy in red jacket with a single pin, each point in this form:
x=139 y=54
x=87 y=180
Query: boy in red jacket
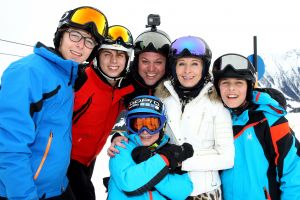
x=99 y=92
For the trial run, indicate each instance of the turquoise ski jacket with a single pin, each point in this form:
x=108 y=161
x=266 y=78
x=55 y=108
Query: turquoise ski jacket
x=147 y=180
x=267 y=154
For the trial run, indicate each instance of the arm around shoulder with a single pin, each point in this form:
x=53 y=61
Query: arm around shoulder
x=135 y=178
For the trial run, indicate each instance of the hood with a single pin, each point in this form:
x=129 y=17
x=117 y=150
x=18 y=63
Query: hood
x=267 y=104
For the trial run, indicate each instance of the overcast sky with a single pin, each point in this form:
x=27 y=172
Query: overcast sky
x=227 y=26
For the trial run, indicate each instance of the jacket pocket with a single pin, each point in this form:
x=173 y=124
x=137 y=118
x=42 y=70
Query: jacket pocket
x=44 y=156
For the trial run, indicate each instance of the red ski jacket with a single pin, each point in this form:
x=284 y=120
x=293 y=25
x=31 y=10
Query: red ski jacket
x=96 y=108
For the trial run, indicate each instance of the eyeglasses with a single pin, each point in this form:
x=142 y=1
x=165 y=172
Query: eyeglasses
x=76 y=36
x=119 y=35
x=195 y=46
x=236 y=61
x=150 y=123
x=86 y=15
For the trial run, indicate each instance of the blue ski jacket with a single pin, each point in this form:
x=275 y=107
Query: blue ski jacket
x=36 y=104
x=147 y=180
x=267 y=154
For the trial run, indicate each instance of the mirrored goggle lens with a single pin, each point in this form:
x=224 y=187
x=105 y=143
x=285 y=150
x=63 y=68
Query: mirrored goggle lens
x=157 y=39
x=119 y=33
x=87 y=15
x=195 y=47
x=150 y=124
x=236 y=61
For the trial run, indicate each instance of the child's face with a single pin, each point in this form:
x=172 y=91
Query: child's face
x=148 y=139
x=233 y=91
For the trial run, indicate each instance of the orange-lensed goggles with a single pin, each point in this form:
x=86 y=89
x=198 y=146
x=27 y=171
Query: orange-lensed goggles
x=120 y=35
x=85 y=15
x=151 y=124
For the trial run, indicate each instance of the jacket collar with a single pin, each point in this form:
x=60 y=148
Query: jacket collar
x=68 y=67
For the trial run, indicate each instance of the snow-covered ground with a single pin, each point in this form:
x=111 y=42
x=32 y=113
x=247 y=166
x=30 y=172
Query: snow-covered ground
x=101 y=168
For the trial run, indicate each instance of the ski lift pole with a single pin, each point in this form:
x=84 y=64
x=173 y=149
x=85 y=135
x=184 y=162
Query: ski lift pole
x=255 y=52
x=255 y=59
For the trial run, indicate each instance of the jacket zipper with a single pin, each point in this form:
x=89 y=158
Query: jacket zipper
x=267 y=195
x=249 y=126
x=150 y=195
x=44 y=156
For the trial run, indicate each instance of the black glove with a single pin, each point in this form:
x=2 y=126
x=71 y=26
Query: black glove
x=176 y=153
x=140 y=154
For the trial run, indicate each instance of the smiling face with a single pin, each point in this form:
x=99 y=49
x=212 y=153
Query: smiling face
x=148 y=139
x=75 y=51
x=189 y=71
x=151 y=67
x=112 y=62
x=233 y=91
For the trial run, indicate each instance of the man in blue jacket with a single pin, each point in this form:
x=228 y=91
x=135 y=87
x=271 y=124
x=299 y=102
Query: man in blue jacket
x=36 y=104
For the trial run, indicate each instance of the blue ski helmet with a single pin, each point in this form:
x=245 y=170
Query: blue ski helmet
x=146 y=106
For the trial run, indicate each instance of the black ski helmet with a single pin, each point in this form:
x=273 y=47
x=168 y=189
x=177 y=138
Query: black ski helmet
x=190 y=46
x=234 y=66
x=153 y=40
x=86 y=18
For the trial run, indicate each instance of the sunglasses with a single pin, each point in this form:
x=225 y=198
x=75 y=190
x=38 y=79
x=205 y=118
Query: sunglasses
x=86 y=15
x=150 y=123
x=119 y=35
x=236 y=61
x=195 y=47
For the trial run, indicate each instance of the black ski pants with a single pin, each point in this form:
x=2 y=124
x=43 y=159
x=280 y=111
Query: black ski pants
x=80 y=180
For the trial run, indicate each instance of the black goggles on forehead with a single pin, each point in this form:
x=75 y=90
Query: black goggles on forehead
x=236 y=61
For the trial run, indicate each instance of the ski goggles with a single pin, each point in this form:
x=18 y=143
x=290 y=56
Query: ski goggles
x=86 y=15
x=195 y=47
x=236 y=61
x=157 y=39
x=119 y=35
x=150 y=123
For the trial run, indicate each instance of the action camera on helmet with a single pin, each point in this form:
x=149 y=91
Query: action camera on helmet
x=153 y=21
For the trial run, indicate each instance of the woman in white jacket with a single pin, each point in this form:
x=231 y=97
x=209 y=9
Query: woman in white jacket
x=197 y=116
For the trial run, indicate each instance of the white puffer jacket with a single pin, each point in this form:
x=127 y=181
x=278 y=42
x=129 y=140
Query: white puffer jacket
x=207 y=126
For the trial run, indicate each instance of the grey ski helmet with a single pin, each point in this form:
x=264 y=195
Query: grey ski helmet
x=154 y=41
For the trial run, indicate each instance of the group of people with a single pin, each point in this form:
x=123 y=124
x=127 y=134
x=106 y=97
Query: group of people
x=189 y=135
